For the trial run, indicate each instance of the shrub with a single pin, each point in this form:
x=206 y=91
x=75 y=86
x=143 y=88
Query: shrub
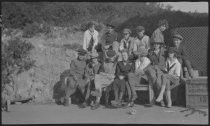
x=15 y=59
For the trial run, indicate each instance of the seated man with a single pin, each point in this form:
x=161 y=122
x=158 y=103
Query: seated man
x=181 y=53
x=135 y=78
x=126 y=43
x=122 y=69
x=172 y=76
x=76 y=77
x=92 y=68
x=104 y=79
x=109 y=40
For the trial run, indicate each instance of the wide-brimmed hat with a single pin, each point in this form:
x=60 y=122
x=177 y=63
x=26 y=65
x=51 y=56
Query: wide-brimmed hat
x=93 y=55
x=81 y=52
x=140 y=28
x=172 y=50
x=177 y=36
x=126 y=31
x=163 y=22
x=110 y=53
x=155 y=42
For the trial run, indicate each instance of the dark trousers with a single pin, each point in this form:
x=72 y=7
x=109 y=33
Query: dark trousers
x=119 y=87
x=72 y=85
x=186 y=63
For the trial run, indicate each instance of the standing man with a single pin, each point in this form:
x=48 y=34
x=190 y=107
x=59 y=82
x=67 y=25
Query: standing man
x=181 y=53
x=90 y=40
x=142 y=41
x=135 y=78
x=157 y=35
x=76 y=77
x=109 y=40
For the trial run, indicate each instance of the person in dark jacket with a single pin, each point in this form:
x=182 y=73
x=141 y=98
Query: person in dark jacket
x=123 y=68
x=109 y=40
x=181 y=53
x=76 y=77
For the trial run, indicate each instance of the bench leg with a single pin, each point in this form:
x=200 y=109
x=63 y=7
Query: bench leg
x=151 y=94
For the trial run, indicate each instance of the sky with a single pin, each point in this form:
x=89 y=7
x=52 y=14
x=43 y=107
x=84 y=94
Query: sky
x=201 y=7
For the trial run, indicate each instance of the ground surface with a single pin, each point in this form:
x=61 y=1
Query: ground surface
x=57 y=114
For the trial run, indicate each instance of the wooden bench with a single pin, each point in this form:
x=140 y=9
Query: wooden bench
x=146 y=87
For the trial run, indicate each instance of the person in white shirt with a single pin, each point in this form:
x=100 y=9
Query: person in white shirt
x=141 y=41
x=90 y=38
x=172 y=76
x=135 y=78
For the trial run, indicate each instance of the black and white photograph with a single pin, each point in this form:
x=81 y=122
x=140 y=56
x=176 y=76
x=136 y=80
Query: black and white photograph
x=104 y=62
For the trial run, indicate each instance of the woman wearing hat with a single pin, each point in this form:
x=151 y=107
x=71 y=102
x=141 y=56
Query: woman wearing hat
x=172 y=76
x=105 y=78
x=90 y=38
x=135 y=78
x=181 y=53
x=157 y=57
x=157 y=35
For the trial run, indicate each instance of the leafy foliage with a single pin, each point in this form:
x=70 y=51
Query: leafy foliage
x=15 y=59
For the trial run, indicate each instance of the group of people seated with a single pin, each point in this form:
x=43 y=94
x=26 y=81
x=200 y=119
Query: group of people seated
x=120 y=65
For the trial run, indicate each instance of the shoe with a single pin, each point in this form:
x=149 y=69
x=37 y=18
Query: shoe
x=129 y=104
x=162 y=104
x=116 y=104
x=96 y=106
x=83 y=105
x=66 y=102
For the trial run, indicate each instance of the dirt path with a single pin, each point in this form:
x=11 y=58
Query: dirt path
x=51 y=114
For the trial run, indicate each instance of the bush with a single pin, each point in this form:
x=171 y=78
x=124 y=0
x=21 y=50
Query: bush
x=15 y=59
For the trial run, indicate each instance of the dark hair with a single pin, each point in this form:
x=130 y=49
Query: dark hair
x=90 y=24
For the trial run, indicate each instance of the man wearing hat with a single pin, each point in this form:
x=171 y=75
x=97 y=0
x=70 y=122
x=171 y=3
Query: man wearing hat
x=171 y=77
x=157 y=35
x=127 y=42
x=76 y=77
x=109 y=40
x=105 y=78
x=92 y=68
x=181 y=53
x=141 y=64
x=141 y=41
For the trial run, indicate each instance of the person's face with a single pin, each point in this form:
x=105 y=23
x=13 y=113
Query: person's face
x=126 y=35
x=156 y=46
x=92 y=28
x=141 y=58
x=171 y=55
x=176 y=42
x=95 y=60
x=125 y=56
x=141 y=34
x=109 y=29
x=81 y=57
x=163 y=27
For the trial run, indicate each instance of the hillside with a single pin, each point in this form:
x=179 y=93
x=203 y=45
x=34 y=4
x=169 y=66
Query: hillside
x=56 y=30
